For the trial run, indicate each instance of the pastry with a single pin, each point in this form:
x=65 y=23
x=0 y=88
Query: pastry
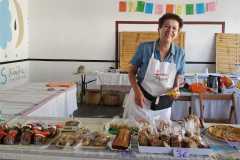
x=224 y=132
x=189 y=143
x=175 y=141
x=26 y=137
x=13 y=136
x=143 y=139
x=2 y=134
x=154 y=140
x=122 y=140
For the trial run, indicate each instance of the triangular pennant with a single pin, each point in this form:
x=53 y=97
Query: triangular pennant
x=149 y=8
x=189 y=9
x=169 y=8
x=122 y=6
x=200 y=8
x=158 y=9
x=140 y=6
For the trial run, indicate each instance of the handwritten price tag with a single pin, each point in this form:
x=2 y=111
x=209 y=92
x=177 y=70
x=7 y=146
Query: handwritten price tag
x=180 y=153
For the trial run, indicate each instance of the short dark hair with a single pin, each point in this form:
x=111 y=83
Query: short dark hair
x=170 y=16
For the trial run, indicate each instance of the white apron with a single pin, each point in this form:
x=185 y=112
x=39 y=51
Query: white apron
x=159 y=78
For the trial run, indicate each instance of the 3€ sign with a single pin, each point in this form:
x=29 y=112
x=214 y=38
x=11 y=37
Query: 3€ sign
x=180 y=153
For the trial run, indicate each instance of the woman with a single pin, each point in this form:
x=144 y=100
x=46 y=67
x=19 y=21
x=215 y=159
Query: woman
x=155 y=70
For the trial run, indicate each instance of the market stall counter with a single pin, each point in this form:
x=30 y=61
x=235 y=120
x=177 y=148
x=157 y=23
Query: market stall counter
x=50 y=151
x=38 y=99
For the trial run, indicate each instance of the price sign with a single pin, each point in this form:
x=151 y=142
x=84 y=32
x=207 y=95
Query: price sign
x=180 y=153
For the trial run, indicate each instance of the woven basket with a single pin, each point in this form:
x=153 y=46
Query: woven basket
x=111 y=99
x=92 y=97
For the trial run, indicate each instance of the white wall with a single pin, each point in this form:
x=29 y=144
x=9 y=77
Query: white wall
x=79 y=29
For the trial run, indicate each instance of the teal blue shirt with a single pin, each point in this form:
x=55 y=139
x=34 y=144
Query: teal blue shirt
x=144 y=53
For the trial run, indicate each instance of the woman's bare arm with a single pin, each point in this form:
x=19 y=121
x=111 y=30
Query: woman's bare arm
x=139 y=98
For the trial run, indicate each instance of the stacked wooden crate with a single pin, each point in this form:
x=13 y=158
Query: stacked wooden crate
x=129 y=42
x=227 y=53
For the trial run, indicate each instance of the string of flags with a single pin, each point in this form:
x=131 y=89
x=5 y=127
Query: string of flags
x=148 y=7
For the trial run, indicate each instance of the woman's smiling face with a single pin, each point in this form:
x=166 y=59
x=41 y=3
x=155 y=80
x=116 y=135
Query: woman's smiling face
x=169 y=30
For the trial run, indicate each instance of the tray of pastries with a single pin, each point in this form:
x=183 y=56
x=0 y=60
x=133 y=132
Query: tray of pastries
x=28 y=133
x=83 y=138
x=166 y=137
x=224 y=133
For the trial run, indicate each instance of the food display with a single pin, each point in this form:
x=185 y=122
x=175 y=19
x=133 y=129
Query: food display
x=164 y=137
x=224 y=132
x=29 y=133
x=153 y=137
x=82 y=138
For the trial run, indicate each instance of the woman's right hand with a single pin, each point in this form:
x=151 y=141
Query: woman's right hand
x=139 y=97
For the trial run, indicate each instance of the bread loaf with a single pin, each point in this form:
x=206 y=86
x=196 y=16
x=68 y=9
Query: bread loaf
x=122 y=139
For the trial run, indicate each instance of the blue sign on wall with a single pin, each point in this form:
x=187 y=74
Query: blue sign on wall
x=5 y=21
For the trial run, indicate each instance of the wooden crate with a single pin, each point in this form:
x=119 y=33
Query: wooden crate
x=129 y=41
x=227 y=53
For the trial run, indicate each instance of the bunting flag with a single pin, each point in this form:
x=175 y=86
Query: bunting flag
x=131 y=6
x=189 y=9
x=200 y=8
x=150 y=7
x=169 y=8
x=158 y=9
x=179 y=9
x=140 y=6
x=122 y=6
x=211 y=6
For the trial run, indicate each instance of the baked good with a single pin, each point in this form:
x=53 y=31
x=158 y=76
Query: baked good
x=2 y=134
x=13 y=136
x=195 y=119
x=4 y=127
x=39 y=139
x=143 y=139
x=26 y=137
x=175 y=141
x=122 y=139
x=100 y=139
x=224 y=132
x=188 y=143
x=165 y=138
x=52 y=131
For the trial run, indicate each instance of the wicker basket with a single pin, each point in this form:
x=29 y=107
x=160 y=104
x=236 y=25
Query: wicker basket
x=111 y=99
x=93 y=97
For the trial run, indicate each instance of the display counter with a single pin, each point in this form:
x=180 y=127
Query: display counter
x=36 y=99
x=49 y=152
